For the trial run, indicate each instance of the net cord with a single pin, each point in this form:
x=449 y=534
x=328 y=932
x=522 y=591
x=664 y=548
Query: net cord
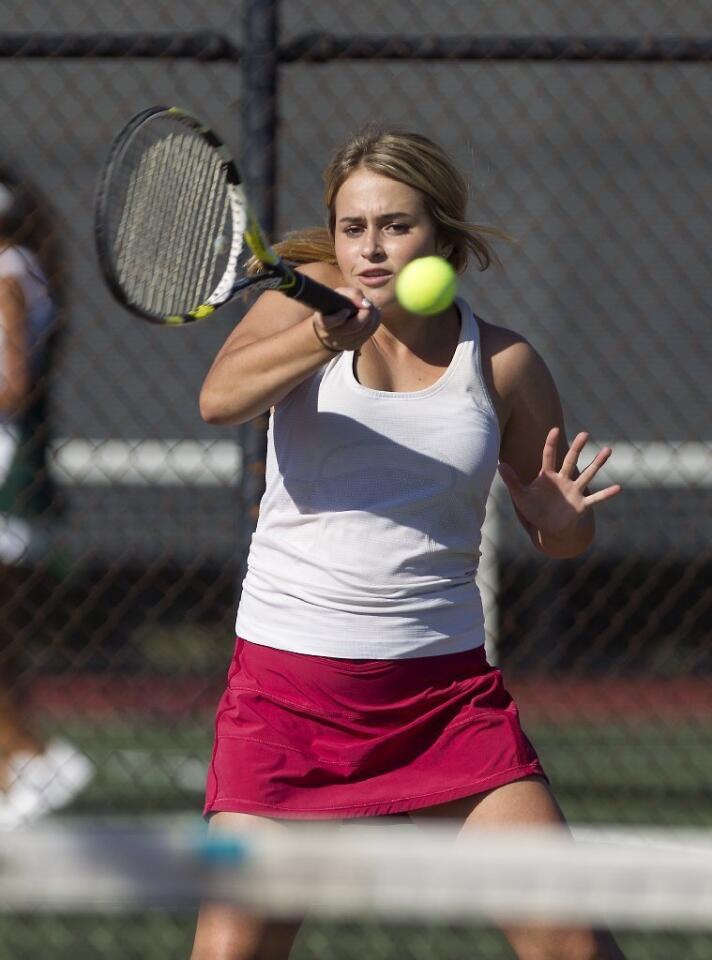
x=655 y=880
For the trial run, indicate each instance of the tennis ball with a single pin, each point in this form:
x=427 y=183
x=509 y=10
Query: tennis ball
x=426 y=286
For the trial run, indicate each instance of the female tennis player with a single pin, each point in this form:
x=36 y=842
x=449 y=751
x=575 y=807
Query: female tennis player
x=359 y=685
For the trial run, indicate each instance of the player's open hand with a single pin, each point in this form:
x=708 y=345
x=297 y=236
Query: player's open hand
x=339 y=331
x=556 y=500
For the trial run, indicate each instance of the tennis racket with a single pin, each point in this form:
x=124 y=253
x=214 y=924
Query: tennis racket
x=174 y=228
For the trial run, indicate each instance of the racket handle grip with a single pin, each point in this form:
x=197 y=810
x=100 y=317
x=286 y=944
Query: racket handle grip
x=316 y=295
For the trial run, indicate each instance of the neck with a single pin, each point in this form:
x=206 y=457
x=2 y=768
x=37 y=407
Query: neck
x=416 y=334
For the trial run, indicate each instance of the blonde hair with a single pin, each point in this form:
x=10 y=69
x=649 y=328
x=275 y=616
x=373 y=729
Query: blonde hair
x=416 y=161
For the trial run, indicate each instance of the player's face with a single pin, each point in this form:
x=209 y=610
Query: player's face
x=381 y=225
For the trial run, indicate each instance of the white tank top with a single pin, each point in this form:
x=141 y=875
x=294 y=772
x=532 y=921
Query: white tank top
x=368 y=537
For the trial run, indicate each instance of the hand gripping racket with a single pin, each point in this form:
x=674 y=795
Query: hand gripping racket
x=174 y=228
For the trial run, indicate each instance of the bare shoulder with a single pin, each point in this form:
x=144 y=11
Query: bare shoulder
x=508 y=352
x=512 y=368
x=510 y=357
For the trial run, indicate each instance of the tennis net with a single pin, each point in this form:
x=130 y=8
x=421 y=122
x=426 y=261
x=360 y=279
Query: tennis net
x=644 y=879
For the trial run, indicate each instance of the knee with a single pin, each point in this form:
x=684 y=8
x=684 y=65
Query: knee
x=224 y=933
x=574 y=945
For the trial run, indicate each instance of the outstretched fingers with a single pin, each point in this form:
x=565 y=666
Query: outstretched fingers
x=584 y=478
x=590 y=472
x=549 y=453
x=594 y=466
x=602 y=495
x=568 y=467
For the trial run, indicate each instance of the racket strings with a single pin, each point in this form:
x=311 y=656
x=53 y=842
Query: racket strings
x=238 y=211
x=197 y=209
x=156 y=224
x=141 y=267
x=175 y=242
x=174 y=237
x=212 y=230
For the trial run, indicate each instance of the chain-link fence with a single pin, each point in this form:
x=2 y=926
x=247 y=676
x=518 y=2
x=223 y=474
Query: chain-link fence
x=117 y=590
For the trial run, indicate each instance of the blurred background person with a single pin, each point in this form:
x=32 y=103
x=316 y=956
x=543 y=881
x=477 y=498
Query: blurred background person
x=36 y=774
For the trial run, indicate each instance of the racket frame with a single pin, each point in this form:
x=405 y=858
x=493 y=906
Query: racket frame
x=275 y=274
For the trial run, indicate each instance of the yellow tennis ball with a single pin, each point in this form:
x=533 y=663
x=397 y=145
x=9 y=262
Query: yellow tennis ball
x=426 y=286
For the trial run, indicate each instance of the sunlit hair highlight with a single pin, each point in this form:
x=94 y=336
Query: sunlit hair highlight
x=418 y=162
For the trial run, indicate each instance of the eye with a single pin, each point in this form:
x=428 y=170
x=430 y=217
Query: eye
x=398 y=227
x=352 y=231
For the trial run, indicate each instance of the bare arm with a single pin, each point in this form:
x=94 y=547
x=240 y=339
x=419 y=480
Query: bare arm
x=14 y=369
x=277 y=345
x=549 y=494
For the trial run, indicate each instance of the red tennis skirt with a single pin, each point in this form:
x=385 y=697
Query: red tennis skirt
x=310 y=737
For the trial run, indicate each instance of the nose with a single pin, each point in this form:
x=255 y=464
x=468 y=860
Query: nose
x=371 y=248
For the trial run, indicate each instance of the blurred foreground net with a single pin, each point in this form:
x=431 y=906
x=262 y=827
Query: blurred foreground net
x=388 y=891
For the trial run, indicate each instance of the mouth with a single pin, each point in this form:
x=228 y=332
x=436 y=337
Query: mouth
x=375 y=277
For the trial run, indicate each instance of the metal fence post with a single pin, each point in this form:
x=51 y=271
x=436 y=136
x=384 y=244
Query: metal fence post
x=260 y=64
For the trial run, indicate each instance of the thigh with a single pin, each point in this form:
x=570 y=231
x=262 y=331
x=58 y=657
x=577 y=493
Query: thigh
x=525 y=802
x=226 y=932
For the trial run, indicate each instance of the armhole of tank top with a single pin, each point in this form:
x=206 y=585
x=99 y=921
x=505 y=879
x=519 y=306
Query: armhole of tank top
x=313 y=380
x=479 y=369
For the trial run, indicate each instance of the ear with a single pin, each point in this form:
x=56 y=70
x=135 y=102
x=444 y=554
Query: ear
x=445 y=250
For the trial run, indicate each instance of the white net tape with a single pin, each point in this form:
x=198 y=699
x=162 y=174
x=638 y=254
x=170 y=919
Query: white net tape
x=637 y=880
